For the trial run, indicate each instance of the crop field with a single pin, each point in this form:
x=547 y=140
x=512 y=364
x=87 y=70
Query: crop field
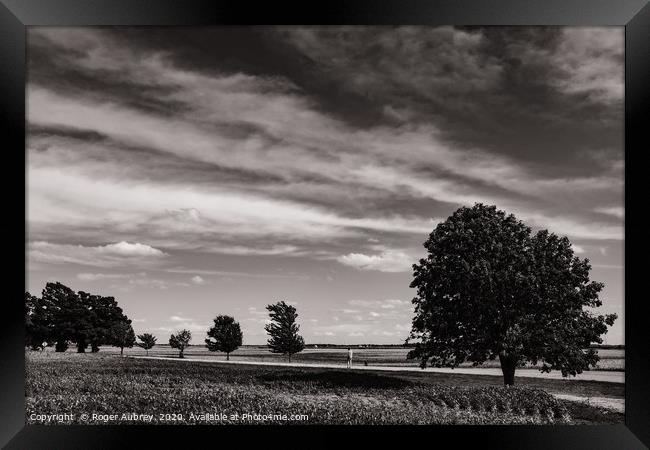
x=108 y=389
x=611 y=359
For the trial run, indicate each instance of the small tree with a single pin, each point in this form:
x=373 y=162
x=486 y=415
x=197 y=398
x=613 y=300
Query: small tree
x=147 y=341
x=180 y=340
x=227 y=336
x=283 y=330
x=489 y=289
x=122 y=335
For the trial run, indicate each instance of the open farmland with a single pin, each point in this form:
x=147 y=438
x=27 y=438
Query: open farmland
x=611 y=359
x=213 y=393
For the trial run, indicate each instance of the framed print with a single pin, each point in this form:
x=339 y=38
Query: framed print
x=346 y=220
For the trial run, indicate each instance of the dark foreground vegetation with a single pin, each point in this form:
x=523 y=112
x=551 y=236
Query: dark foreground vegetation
x=95 y=384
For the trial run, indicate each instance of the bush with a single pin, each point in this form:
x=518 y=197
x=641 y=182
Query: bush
x=61 y=346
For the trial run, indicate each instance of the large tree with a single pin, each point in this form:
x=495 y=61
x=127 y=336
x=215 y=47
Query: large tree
x=104 y=313
x=180 y=341
x=283 y=330
x=65 y=313
x=224 y=336
x=62 y=316
x=489 y=288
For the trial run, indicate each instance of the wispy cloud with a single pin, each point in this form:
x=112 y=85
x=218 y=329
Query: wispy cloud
x=386 y=261
x=110 y=255
x=616 y=211
x=86 y=276
x=311 y=145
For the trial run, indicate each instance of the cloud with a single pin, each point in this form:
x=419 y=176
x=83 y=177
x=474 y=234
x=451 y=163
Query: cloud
x=343 y=328
x=572 y=228
x=86 y=276
x=382 y=312
x=178 y=323
x=223 y=213
x=302 y=152
x=403 y=327
x=608 y=266
x=197 y=280
x=155 y=283
x=386 y=261
x=110 y=255
x=616 y=211
x=384 y=304
x=128 y=249
x=324 y=333
x=577 y=249
x=229 y=274
x=592 y=60
x=179 y=319
x=373 y=59
x=348 y=311
x=255 y=311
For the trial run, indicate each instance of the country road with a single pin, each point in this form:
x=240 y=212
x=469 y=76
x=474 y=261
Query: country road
x=604 y=376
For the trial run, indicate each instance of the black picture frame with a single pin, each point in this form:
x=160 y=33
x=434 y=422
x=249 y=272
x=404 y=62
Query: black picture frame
x=15 y=15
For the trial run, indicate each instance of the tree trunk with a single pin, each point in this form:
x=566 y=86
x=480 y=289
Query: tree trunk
x=147 y=350
x=508 y=366
x=227 y=356
x=181 y=354
x=289 y=357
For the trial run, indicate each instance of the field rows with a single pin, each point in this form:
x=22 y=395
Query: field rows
x=105 y=384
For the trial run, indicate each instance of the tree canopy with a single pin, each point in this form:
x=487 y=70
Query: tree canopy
x=61 y=316
x=122 y=335
x=283 y=330
x=147 y=341
x=224 y=336
x=490 y=288
x=180 y=340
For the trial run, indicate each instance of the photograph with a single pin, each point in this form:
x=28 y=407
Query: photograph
x=325 y=225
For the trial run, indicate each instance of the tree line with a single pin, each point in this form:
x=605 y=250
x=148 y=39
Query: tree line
x=226 y=336
x=62 y=316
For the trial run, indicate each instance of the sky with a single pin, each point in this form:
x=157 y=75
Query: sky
x=191 y=172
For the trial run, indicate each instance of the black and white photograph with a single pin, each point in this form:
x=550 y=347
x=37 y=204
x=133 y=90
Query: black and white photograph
x=338 y=225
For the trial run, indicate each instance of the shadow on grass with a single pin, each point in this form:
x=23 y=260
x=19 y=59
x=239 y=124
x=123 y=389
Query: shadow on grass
x=336 y=378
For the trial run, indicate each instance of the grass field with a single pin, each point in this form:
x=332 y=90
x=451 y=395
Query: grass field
x=611 y=359
x=105 y=384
